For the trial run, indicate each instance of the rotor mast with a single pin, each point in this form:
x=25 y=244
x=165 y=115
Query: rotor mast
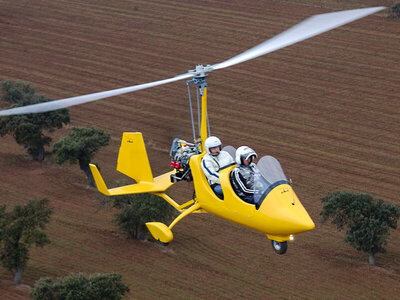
x=199 y=79
x=204 y=118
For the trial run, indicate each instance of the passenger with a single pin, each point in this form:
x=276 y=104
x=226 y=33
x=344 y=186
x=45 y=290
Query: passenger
x=242 y=176
x=213 y=161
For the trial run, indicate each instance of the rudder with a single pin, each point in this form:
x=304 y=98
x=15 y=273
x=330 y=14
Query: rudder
x=132 y=158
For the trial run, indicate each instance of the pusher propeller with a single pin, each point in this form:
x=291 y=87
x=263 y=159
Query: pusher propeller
x=308 y=28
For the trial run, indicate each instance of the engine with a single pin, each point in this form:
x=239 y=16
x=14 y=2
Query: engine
x=180 y=154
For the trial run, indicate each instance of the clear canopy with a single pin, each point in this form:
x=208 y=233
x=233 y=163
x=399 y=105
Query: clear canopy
x=269 y=174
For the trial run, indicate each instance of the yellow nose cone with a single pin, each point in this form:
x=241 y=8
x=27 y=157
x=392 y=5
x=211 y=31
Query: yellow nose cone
x=285 y=213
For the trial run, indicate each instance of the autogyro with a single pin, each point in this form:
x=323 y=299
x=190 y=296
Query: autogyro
x=277 y=211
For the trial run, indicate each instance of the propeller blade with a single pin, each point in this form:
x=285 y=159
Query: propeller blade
x=308 y=28
x=63 y=103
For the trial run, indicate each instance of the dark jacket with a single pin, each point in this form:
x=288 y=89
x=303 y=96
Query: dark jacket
x=242 y=180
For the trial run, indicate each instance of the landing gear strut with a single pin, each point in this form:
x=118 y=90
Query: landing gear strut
x=279 y=247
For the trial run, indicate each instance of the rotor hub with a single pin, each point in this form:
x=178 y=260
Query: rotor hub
x=200 y=71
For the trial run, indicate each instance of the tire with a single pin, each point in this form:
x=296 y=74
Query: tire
x=279 y=247
x=162 y=244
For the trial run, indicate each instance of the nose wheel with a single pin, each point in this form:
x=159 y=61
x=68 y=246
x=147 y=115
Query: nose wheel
x=279 y=247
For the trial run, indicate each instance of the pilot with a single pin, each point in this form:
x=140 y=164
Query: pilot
x=213 y=161
x=242 y=176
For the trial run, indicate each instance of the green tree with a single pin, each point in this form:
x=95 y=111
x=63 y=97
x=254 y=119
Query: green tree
x=107 y=286
x=16 y=92
x=19 y=229
x=80 y=145
x=394 y=11
x=138 y=209
x=27 y=129
x=368 y=221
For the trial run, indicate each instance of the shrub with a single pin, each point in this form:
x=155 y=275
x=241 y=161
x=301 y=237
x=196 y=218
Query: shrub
x=28 y=129
x=78 y=287
x=368 y=221
x=81 y=145
x=394 y=11
x=138 y=209
x=19 y=229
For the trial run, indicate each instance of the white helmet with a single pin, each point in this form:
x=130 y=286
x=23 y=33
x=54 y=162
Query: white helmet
x=212 y=142
x=244 y=152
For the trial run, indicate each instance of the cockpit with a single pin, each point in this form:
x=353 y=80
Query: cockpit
x=268 y=175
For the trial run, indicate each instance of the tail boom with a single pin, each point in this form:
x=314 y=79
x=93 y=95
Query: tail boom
x=134 y=163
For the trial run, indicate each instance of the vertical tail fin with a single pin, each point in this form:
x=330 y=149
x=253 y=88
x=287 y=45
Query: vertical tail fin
x=133 y=162
x=132 y=158
x=100 y=184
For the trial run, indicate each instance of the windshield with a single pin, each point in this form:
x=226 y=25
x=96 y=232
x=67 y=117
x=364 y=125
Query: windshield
x=269 y=174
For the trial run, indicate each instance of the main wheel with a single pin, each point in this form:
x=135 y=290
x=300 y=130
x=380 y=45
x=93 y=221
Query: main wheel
x=162 y=244
x=279 y=247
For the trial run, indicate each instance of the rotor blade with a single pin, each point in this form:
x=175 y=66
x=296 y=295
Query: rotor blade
x=308 y=28
x=62 y=103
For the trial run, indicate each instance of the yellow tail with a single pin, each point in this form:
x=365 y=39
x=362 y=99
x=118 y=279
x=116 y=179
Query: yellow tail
x=132 y=158
x=133 y=162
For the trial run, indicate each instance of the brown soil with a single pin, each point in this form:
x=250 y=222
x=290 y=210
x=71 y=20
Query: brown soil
x=327 y=108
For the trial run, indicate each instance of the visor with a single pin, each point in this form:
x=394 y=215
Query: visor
x=248 y=155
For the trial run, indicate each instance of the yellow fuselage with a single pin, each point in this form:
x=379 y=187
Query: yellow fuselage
x=280 y=215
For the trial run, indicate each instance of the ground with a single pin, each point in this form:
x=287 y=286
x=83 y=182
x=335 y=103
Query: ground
x=326 y=108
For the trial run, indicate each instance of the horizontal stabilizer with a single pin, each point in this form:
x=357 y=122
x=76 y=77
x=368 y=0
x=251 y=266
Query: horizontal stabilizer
x=101 y=185
x=133 y=162
x=159 y=184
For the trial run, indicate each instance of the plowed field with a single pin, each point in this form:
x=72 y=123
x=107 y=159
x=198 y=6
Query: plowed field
x=327 y=108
